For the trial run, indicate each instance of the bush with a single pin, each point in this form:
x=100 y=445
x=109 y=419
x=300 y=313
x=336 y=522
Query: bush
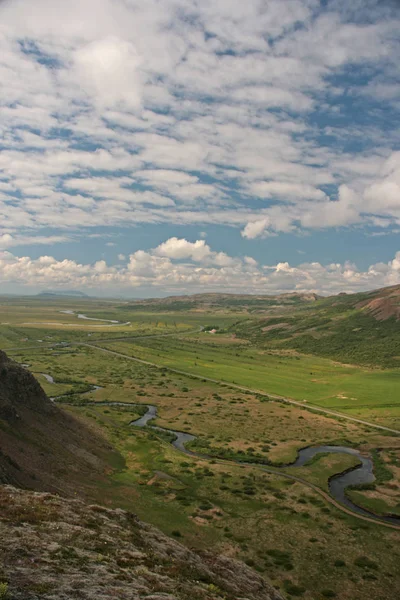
x=3 y=590
x=176 y=533
x=294 y=590
x=365 y=563
x=281 y=559
x=339 y=563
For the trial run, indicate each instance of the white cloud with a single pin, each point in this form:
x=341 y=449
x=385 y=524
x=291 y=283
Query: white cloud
x=180 y=249
x=383 y=196
x=254 y=229
x=8 y=241
x=286 y=190
x=120 y=112
x=108 y=71
x=154 y=270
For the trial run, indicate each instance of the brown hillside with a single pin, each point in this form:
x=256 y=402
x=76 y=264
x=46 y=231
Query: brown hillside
x=383 y=304
x=41 y=446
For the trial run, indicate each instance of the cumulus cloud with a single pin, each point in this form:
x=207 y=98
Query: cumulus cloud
x=254 y=229
x=383 y=196
x=164 y=271
x=175 y=248
x=120 y=112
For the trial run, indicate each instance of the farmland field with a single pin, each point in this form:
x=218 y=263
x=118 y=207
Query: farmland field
x=285 y=529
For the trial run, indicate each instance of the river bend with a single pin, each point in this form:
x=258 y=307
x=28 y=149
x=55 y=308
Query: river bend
x=358 y=475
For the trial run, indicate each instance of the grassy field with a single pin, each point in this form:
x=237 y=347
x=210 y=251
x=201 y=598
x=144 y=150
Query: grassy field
x=314 y=380
x=306 y=546
x=25 y=322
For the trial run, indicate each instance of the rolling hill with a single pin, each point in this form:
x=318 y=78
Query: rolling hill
x=361 y=328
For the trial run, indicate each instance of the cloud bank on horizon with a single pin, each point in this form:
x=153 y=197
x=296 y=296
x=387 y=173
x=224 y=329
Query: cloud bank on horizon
x=265 y=119
x=180 y=266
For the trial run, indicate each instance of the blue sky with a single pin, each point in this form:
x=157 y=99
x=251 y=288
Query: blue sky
x=179 y=146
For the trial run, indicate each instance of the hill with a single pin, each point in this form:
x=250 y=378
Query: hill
x=62 y=293
x=41 y=446
x=362 y=328
x=220 y=302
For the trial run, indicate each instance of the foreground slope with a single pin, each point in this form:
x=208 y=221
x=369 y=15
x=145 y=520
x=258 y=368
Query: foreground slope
x=59 y=549
x=42 y=447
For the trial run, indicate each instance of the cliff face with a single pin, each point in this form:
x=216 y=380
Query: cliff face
x=41 y=446
x=58 y=549
x=19 y=390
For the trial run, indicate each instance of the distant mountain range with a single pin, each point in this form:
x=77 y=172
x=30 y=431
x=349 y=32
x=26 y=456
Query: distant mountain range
x=217 y=301
x=57 y=293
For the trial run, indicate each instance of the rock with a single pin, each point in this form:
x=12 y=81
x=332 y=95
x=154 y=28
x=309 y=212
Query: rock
x=56 y=548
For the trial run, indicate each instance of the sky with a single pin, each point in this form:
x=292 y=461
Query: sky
x=183 y=146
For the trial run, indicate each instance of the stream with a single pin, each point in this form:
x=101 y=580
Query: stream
x=358 y=475
x=82 y=316
x=50 y=379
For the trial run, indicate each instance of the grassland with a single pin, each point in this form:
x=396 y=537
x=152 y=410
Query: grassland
x=358 y=391
x=307 y=547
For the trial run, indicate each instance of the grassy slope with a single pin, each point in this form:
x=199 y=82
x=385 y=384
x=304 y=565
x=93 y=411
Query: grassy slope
x=342 y=328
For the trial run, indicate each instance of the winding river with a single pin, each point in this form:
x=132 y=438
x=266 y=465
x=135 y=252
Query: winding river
x=50 y=379
x=358 y=475
x=82 y=316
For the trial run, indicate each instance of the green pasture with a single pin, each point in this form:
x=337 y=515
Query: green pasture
x=314 y=380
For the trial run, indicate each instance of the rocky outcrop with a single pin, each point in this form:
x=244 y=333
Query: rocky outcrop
x=58 y=549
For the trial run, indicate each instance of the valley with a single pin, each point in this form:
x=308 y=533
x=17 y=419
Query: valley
x=234 y=491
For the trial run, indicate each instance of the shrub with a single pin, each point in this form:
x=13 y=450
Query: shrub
x=176 y=533
x=3 y=590
x=339 y=563
x=365 y=563
x=294 y=590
